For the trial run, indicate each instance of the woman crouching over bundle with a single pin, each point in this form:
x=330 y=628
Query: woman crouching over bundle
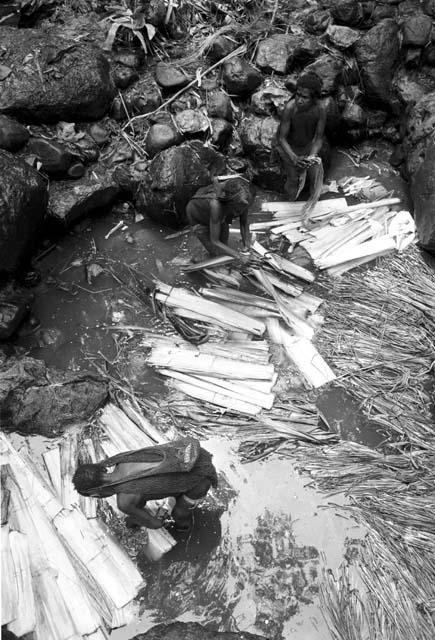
x=181 y=469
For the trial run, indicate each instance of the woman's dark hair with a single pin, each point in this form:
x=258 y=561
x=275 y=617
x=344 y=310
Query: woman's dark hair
x=237 y=190
x=312 y=82
x=88 y=477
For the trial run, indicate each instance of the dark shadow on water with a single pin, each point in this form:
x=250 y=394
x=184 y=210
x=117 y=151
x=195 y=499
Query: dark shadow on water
x=195 y=546
x=342 y=413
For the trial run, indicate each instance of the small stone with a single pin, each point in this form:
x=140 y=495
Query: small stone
x=14 y=307
x=141 y=98
x=192 y=121
x=32 y=278
x=269 y=101
x=130 y=59
x=317 y=21
x=329 y=69
x=171 y=77
x=429 y=55
x=129 y=239
x=347 y=12
x=123 y=77
x=219 y=105
x=4 y=72
x=54 y=157
x=272 y=53
x=159 y=137
x=99 y=134
x=342 y=37
x=221 y=131
x=76 y=170
x=240 y=77
x=413 y=57
x=155 y=12
x=353 y=115
x=13 y=135
x=416 y=30
x=220 y=48
x=86 y=149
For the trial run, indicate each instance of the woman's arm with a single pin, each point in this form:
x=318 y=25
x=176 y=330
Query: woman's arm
x=127 y=503
x=320 y=133
x=216 y=221
x=244 y=229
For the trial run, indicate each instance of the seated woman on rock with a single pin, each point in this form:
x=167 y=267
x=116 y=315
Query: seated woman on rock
x=181 y=469
x=301 y=140
x=213 y=208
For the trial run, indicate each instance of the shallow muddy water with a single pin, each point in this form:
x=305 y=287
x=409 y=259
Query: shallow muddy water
x=254 y=558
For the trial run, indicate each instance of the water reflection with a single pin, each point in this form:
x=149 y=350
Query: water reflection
x=252 y=562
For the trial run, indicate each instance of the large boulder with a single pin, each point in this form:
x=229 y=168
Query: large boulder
x=13 y=135
x=241 y=78
x=377 y=54
x=192 y=631
x=423 y=196
x=15 y=303
x=258 y=136
x=53 y=78
x=172 y=178
x=95 y=191
x=272 y=53
x=421 y=121
x=270 y=100
x=46 y=401
x=419 y=146
x=23 y=203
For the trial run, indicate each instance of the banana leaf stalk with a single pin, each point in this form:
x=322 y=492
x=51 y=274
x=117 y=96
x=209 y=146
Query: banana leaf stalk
x=224 y=387
x=214 y=396
x=321 y=208
x=297 y=324
x=9 y=587
x=303 y=354
x=182 y=299
x=85 y=568
x=200 y=363
x=290 y=288
x=63 y=606
x=25 y=621
x=282 y=265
